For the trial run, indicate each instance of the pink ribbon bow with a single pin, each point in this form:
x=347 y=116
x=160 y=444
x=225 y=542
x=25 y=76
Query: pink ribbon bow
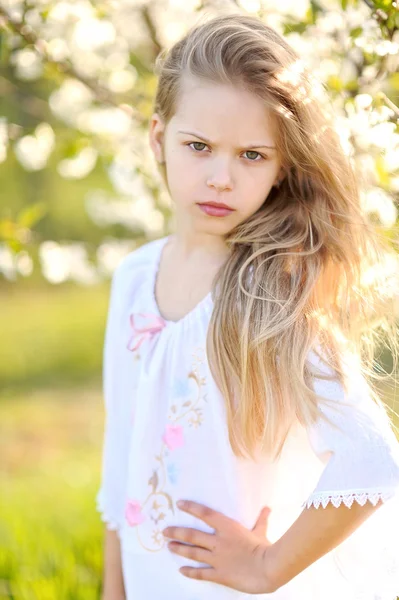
x=156 y=326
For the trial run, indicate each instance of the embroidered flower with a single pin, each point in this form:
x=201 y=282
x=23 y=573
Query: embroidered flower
x=181 y=387
x=139 y=335
x=133 y=513
x=172 y=472
x=173 y=436
x=157 y=537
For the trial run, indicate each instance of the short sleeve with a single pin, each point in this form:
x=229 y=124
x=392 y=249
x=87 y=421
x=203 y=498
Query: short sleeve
x=109 y=498
x=359 y=449
x=361 y=457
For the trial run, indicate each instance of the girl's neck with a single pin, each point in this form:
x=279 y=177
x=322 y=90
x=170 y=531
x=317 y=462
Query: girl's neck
x=193 y=245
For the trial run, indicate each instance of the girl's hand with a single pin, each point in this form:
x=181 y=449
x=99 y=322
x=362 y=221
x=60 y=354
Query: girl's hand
x=237 y=557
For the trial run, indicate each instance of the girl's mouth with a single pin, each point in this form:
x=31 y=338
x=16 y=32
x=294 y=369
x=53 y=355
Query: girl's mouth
x=215 y=211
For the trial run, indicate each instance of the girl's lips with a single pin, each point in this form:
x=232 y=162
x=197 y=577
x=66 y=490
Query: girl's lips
x=215 y=211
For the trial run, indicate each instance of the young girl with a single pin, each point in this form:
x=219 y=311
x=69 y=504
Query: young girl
x=230 y=372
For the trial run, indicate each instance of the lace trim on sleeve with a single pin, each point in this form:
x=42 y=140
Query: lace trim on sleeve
x=110 y=522
x=347 y=498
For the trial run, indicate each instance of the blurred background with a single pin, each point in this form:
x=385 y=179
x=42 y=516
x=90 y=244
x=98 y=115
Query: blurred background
x=79 y=189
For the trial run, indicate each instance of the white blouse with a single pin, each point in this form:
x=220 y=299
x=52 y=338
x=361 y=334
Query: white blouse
x=166 y=439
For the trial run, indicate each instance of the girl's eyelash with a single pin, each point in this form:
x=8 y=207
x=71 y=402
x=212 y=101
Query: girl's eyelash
x=250 y=160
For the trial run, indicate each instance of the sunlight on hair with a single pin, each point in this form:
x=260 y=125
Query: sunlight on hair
x=384 y=277
x=292 y=74
x=307 y=270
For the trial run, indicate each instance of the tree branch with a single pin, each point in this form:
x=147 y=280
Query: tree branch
x=66 y=67
x=389 y=103
x=145 y=13
x=370 y=4
x=34 y=106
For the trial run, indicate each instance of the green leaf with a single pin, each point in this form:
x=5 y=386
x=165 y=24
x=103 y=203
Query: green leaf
x=15 y=246
x=44 y=13
x=72 y=147
x=316 y=8
x=32 y=214
x=352 y=85
x=394 y=81
x=294 y=27
x=382 y=172
x=335 y=83
x=8 y=230
x=384 y=4
x=390 y=22
x=354 y=33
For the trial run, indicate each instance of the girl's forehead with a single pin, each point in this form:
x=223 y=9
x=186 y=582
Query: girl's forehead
x=209 y=108
x=195 y=90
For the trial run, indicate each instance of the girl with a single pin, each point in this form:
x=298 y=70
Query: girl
x=230 y=372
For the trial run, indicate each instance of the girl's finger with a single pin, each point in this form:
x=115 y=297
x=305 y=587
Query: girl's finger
x=212 y=517
x=261 y=524
x=192 y=552
x=205 y=574
x=191 y=536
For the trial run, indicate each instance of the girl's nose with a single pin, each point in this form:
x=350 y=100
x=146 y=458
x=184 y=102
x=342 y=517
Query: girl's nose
x=220 y=179
x=219 y=183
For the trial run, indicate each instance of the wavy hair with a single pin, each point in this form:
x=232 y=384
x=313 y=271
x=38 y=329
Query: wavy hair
x=308 y=271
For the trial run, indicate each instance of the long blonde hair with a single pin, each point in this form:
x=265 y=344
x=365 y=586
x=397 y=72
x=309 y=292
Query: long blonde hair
x=306 y=272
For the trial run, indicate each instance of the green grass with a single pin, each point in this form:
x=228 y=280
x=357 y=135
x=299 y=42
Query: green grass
x=51 y=336
x=51 y=536
x=51 y=440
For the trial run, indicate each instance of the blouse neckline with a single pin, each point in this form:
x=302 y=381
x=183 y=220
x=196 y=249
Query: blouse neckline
x=204 y=306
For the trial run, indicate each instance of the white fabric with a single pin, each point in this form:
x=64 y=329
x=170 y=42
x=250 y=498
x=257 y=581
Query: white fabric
x=166 y=439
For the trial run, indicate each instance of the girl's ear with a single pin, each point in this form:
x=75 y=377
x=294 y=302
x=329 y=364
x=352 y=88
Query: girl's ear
x=156 y=135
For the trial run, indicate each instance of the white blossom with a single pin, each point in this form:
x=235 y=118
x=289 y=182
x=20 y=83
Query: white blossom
x=33 y=151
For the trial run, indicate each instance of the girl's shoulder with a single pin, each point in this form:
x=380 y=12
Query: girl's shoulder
x=142 y=256
x=134 y=273
x=137 y=263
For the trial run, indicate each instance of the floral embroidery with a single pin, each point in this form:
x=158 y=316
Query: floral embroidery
x=181 y=387
x=133 y=513
x=143 y=333
x=157 y=536
x=185 y=410
x=173 y=436
x=172 y=472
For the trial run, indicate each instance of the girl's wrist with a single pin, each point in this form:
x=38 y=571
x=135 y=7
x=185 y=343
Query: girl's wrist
x=269 y=570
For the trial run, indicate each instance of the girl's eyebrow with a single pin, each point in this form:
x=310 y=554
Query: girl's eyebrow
x=202 y=137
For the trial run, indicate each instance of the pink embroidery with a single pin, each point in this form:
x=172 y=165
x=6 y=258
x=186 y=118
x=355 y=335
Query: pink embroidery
x=173 y=436
x=133 y=513
x=156 y=326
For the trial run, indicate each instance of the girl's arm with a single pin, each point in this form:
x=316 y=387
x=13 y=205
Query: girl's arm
x=361 y=458
x=113 y=588
x=312 y=535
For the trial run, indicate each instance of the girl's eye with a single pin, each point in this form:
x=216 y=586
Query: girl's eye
x=251 y=158
x=198 y=144
x=257 y=158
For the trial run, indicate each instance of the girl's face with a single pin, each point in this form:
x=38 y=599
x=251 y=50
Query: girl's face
x=218 y=147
